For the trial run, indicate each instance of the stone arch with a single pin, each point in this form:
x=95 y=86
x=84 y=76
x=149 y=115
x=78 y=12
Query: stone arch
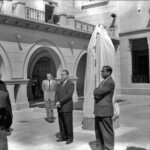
x=83 y=52
x=79 y=72
x=5 y=65
x=51 y=48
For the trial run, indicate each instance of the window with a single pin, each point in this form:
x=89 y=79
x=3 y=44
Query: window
x=140 y=60
x=49 y=9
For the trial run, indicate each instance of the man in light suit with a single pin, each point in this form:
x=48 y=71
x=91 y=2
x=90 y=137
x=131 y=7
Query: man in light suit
x=49 y=88
x=103 y=110
x=64 y=103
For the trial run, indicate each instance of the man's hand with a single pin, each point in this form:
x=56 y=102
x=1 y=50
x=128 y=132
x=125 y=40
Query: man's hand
x=116 y=111
x=57 y=104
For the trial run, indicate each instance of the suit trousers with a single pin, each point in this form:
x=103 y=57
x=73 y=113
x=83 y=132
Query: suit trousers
x=104 y=133
x=3 y=140
x=66 y=125
x=49 y=105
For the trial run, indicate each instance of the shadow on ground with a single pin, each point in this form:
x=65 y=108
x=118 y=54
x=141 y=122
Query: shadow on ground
x=58 y=135
x=135 y=148
x=41 y=104
x=93 y=145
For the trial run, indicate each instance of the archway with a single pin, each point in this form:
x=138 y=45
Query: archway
x=2 y=68
x=39 y=65
x=5 y=65
x=81 y=75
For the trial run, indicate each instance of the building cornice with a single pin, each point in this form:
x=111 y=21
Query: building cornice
x=133 y=32
x=16 y=81
x=42 y=26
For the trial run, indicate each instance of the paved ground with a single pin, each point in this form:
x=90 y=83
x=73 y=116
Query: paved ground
x=32 y=132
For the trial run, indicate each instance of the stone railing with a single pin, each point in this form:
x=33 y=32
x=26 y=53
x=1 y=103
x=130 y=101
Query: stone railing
x=84 y=26
x=34 y=14
x=20 y=9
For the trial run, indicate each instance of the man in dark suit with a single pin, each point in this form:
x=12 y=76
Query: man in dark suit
x=103 y=110
x=5 y=118
x=3 y=91
x=64 y=103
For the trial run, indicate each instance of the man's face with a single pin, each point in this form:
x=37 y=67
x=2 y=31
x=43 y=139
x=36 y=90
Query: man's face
x=105 y=73
x=64 y=75
x=49 y=77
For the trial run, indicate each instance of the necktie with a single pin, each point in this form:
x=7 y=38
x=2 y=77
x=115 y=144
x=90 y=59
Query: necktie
x=49 y=85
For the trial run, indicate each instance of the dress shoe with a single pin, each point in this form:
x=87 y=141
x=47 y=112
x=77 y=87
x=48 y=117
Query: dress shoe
x=61 y=140
x=69 y=141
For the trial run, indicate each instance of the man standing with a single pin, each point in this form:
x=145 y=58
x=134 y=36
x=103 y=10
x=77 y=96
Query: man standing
x=4 y=119
x=49 y=88
x=103 y=110
x=64 y=105
x=3 y=89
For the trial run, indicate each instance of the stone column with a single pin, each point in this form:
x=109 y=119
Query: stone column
x=19 y=9
x=10 y=88
x=21 y=96
x=7 y=7
x=71 y=21
x=63 y=19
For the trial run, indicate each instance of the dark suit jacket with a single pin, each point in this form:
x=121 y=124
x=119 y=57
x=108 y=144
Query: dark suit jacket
x=64 y=96
x=5 y=110
x=103 y=96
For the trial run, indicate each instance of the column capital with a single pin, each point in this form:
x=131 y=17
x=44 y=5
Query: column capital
x=17 y=81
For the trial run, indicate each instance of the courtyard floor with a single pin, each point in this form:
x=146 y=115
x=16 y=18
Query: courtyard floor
x=30 y=130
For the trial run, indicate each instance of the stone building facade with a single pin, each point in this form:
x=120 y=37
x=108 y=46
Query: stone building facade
x=40 y=36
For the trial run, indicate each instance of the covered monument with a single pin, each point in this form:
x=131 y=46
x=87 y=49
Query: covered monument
x=100 y=52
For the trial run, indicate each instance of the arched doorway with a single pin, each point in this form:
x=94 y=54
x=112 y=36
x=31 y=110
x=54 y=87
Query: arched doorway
x=40 y=65
x=43 y=66
x=81 y=75
x=2 y=68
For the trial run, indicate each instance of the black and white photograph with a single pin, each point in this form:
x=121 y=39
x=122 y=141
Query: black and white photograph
x=74 y=75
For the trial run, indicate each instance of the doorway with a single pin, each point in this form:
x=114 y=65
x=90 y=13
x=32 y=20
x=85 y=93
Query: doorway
x=48 y=12
x=140 y=61
x=81 y=75
x=41 y=67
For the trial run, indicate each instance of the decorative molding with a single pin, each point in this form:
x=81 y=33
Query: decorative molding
x=133 y=32
x=97 y=4
x=43 y=26
x=17 y=81
x=18 y=41
x=71 y=46
x=50 y=1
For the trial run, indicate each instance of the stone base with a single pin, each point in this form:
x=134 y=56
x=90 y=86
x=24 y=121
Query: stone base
x=23 y=105
x=89 y=123
x=75 y=98
x=14 y=106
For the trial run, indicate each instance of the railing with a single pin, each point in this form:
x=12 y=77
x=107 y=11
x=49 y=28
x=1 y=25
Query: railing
x=140 y=79
x=51 y=18
x=35 y=14
x=84 y=26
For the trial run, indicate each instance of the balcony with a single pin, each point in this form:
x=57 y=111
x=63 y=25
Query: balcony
x=27 y=17
x=69 y=21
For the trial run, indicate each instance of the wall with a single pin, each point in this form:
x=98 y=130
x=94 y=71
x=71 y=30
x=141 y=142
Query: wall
x=96 y=15
x=134 y=15
x=28 y=38
x=126 y=66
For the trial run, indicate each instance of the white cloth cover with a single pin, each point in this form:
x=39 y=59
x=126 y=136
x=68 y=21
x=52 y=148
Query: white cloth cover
x=100 y=52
